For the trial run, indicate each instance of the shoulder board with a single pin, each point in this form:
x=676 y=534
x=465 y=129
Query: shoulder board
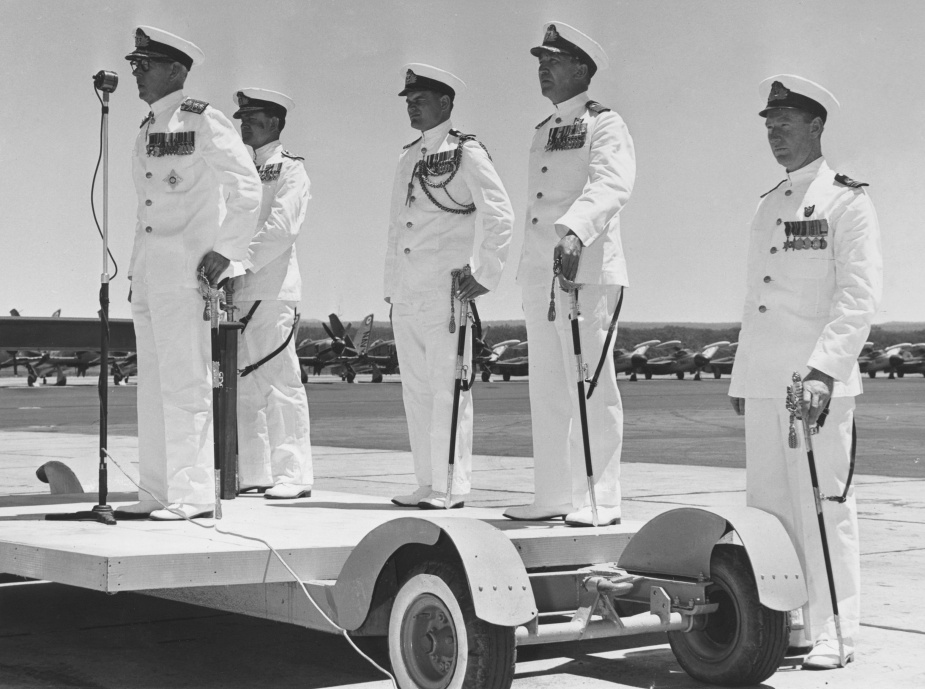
x=193 y=105
x=770 y=190
x=465 y=138
x=407 y=146
x=293 y=156
x=148 y=118
x=848 y=182
x=544 y=122
x=595 y=107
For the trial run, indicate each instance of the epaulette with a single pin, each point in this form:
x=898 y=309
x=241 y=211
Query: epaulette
x=148 y=118
x=293 y=156
x=848 y=182
x=463 y=138
x=193 y=105
x=544 y=122
x=407 y=146
x=770 y=190
x=595 y=107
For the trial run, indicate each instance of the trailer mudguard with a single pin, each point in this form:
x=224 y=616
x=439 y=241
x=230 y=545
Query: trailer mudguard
x=498 y=581
x=679 y=543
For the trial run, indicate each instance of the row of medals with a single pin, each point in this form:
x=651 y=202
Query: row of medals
x=797 y=243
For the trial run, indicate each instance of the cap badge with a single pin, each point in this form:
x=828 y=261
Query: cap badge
x=551 y=34
x=808 y=211
x=410 y=78
x=141 y=39
x=242 y=100
x=778 y=92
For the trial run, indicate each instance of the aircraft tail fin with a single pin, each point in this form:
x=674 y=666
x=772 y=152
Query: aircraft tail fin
x=56 y=314
x=14 y=313
x=364 y=337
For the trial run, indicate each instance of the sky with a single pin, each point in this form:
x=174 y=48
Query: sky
x=684 y=76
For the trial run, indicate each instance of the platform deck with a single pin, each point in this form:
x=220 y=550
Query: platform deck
x=314 y=535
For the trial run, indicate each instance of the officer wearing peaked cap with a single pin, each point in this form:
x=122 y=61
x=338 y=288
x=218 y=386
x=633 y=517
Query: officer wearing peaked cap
x=198 y=197
x=814 y=280
x=444 y=184
x=273 y=422
x=581 y=175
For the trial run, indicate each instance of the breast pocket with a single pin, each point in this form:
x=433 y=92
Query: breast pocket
x=179 y=172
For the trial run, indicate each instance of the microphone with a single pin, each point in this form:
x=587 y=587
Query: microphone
x=105 y=81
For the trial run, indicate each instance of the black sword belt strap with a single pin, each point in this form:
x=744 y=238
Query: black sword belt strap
x=852 y=457
x=854 y=449
x=613 y=326
x=250 y=314
x=253 y=367
x=476 y=336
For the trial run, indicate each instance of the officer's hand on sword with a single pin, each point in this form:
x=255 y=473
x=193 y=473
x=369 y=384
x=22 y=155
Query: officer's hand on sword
x=214 y=264
x=817 y=391
x=469 y=288
x=567 y=255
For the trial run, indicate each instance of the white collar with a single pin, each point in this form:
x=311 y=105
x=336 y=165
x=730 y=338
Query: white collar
x=566 y=107
x=267 y=151
x=806 y=173
x=168 y=102
x=432 y=138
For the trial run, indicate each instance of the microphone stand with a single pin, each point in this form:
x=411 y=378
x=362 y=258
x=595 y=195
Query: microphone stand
x=106 y=83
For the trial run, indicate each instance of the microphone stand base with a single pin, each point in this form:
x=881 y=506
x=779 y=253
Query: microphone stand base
x=100 y=513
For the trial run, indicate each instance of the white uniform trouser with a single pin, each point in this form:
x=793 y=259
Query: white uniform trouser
x=274 y=446
x=778 y=481
x=175 y=449
x=427 y=359
x=560 y=476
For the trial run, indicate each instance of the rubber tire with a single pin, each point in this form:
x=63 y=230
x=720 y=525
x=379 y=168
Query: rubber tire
x=486 y=376
x=717 y=374
x=872 y=374
x=900 y=374
x=648 y=376
x=488 y=651
x=506 y=377
x=749 y=652
x=680 y=375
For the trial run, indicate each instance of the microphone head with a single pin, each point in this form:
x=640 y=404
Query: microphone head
x=105 y=81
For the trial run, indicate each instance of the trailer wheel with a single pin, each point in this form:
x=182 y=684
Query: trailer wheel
x=743 y=642
x=437 y=642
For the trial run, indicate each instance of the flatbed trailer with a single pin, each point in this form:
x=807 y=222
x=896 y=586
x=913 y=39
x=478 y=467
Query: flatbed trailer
x=455 y=592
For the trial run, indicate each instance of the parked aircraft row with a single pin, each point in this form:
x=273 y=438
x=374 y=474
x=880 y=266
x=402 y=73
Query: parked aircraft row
x=338 y=354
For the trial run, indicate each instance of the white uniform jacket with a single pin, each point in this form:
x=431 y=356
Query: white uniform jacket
x=197 y=190
x=425 y=242
x=273 y=271
x=808 y=307
x=582 y=170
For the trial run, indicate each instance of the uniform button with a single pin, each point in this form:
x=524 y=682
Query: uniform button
x=423 y=149
x=788 y=192
x=544 y=169
x=773 y=249
x=539 y=194
x=148 y=229
x=148 y=175
x=413 y=198
x=534 y=221
x=148 y=202
x=558 y=120
x=409 y=224
x=779 y=221
x=762 y=308
x=407 y=251
x=767 y=278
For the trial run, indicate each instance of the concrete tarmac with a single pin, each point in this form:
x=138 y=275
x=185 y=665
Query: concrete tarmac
x=688 y=451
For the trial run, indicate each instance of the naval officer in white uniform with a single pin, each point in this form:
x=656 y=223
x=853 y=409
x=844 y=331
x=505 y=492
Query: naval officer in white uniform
x=814 y=281
x=198 y=198
x=581 y=175
x=445 y=183
x=274 y=447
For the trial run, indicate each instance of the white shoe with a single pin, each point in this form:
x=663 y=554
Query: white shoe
x=139 y=510
x=179 y=510
x=537 y=513
x=437 y=501
x=413 y=499
x=824 y=655
x=288 y=491
x=583 y=517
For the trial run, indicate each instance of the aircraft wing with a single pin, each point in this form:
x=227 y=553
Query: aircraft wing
x=64 y=334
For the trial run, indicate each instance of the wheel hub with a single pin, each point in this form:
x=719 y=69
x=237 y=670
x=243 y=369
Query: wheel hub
x=428 y=639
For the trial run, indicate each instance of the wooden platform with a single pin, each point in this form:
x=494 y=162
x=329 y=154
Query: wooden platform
x=314 y=535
